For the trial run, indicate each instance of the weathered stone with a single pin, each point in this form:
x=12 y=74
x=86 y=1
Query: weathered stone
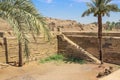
x=111 y=53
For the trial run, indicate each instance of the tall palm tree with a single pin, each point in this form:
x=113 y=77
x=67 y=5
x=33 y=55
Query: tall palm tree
x=100 y=8
x=24 y=19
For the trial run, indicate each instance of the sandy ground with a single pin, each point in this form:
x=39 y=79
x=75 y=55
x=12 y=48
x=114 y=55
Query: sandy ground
x=52 y=71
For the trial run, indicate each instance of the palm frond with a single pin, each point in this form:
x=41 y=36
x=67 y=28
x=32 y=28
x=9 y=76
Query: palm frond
x=90 y=5
x=23 y=18
x=86 y=13
x=100 y=7
x=113 y=7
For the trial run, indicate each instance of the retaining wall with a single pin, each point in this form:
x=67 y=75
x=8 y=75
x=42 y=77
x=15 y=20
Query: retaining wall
x=111 y=47
x=39 y=49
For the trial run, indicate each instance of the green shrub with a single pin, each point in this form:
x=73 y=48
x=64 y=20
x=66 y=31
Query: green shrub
x=59 y=57
x=55 y=57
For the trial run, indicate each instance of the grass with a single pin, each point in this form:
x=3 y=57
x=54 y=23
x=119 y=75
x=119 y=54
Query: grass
x=55 y=57
x=60 y=58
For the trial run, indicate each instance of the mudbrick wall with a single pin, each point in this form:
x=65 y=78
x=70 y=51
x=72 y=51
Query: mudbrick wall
x=71 y=51
x=111 y=47
x=39 y=49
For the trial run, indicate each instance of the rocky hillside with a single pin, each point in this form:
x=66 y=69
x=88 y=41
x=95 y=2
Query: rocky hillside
x=72 y=25
x=59 y=25
x=63 y=25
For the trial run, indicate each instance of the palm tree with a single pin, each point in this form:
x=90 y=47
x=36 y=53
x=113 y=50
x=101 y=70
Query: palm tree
x=100 y=8
x=24 y=19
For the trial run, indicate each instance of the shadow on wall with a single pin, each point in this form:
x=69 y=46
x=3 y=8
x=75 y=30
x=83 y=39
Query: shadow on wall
x=111 y=47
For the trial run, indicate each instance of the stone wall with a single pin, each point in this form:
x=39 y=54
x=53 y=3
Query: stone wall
x=109 y=33
x=111 y=47
x=39 y=49
x=71 y=50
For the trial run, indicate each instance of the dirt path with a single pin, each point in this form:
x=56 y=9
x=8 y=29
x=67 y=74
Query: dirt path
x=51 y=71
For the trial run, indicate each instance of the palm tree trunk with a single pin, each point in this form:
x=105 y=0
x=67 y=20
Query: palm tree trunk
x=100 y=37
x=6 y=49
x=20 y=54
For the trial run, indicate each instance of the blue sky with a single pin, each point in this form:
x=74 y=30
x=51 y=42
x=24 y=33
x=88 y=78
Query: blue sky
x=70 y=9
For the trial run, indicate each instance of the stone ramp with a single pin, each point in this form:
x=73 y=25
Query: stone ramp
x=113 y=76
x=94 y=59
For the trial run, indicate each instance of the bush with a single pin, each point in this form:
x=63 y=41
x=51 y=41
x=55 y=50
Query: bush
x=55 y=57
x=59 y=57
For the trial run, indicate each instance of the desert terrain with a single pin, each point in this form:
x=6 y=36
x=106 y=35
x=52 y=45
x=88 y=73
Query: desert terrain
x=55 y=71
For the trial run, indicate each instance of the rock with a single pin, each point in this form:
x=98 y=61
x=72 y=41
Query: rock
x=106 y=72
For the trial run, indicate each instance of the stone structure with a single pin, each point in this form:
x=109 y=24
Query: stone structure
x=39 y=49
x=111 y=46
x=73 y=48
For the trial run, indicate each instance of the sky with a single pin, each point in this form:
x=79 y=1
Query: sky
x=71 y=10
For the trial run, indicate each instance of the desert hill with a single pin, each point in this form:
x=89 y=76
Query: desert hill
x=59 y=25
x=69 y=25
